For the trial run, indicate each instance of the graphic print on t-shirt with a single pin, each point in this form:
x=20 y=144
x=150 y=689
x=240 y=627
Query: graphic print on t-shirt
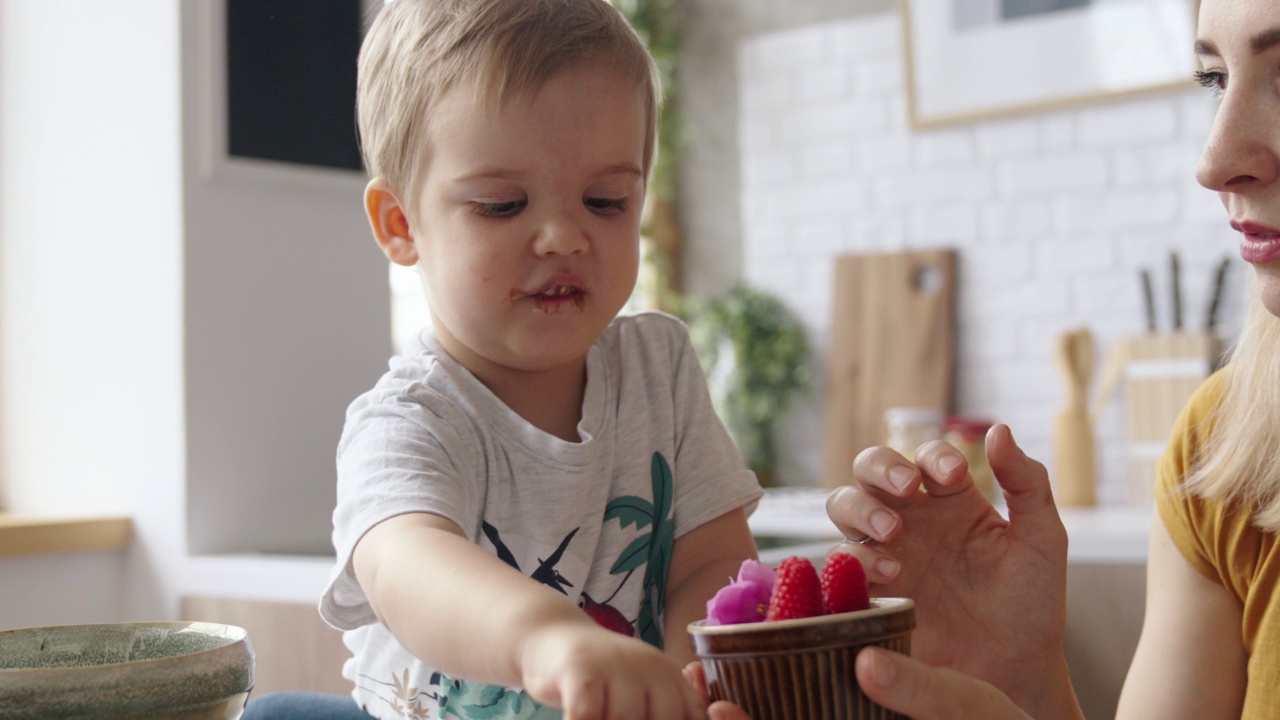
x=651 y=550
x=546 y=572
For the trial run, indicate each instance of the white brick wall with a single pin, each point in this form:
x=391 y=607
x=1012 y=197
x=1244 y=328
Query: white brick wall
x=1053 y=216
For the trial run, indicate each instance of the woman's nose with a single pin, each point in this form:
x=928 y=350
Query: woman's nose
x=1241 y=153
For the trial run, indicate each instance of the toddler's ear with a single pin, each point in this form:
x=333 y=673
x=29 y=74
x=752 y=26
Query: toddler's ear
x=389 y=223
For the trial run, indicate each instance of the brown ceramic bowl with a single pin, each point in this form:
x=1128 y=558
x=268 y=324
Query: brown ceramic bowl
x=802 y=669
x=114 y=671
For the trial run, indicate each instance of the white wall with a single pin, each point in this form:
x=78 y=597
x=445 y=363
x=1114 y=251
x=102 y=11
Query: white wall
x=287 y=318
x=707 y=70
x=91 y=283
x=177 y=347
x=1053 y=216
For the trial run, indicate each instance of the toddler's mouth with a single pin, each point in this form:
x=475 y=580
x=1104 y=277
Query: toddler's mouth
x=557 y=296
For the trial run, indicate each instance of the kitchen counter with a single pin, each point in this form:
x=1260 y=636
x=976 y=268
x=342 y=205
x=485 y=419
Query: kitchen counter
x=793 y=521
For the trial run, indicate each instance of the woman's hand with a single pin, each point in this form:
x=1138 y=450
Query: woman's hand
x=914 y=689
x=990 y=593
x=903 y=685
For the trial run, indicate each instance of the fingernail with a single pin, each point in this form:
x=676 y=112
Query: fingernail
x=947 y=464
x=900 y=476
x=883 y=522
x=887 y=568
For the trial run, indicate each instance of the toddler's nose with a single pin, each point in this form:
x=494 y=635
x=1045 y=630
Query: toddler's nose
x=560 y=234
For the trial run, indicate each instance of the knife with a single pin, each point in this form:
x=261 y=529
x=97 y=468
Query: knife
x=1215 y=299
x=1176 y=289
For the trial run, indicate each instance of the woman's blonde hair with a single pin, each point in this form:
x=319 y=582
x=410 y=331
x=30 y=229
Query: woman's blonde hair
x=1239 y=464
x=418 y=50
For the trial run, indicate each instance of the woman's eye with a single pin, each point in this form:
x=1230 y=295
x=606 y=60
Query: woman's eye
x=606 y=204
x=499 y=210
x=1212 y=79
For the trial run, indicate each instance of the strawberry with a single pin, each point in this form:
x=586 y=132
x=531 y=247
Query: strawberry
x=797 y=592
x=844 y=584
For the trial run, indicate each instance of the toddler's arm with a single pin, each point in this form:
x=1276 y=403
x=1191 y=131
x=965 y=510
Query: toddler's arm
x=494 y=625
x=703 y=560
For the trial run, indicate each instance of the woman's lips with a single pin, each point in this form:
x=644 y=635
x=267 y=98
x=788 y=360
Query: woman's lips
x=1260 y=245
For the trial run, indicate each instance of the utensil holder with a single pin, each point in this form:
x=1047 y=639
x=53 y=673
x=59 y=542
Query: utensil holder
x=1161 y=372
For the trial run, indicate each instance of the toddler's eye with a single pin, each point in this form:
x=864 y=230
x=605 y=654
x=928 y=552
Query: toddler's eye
x=1212 y=79
x=606 y=204
x=499 y=210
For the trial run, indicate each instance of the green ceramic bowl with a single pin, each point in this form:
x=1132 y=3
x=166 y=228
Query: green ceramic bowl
x=802 y=669
x=154 y=670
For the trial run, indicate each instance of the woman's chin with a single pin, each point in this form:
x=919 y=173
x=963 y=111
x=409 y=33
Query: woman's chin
x=1268 y=286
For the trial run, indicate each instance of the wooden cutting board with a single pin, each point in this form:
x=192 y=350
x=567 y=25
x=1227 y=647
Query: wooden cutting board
x=892 y=345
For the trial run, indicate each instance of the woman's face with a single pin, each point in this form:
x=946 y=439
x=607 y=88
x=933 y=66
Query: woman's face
x=1238 y=44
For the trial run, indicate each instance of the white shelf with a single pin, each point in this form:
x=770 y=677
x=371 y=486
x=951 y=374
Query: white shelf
x=1109 y=535
x=272 y=578
x=1104 y=535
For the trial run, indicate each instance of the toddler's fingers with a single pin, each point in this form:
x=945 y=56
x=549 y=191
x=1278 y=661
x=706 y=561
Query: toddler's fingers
x=695 y=705
x=910 y=687
x=696 y=676
x=581 y=698
x=721 y=710
x=726 y=711
x=628 y=700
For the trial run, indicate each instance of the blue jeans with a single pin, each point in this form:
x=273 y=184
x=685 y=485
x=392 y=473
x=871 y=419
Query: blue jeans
x=292 y=705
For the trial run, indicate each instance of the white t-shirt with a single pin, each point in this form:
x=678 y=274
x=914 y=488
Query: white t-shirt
x=593 y=521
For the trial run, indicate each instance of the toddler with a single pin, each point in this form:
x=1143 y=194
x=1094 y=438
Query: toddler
x=537 y=498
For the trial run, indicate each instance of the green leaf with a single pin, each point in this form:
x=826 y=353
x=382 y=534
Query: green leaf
x=636 y=554
x=663 y=487
x=630 y=510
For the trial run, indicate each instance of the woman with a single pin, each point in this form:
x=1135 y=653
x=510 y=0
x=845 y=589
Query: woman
x=993 y=592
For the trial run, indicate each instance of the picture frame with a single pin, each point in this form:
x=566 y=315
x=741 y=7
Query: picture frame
x=970 y=60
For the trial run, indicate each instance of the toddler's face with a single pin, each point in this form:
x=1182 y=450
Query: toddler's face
x=527 y=222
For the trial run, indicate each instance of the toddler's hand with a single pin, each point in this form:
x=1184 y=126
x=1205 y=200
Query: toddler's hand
x=720 y=710
x=595 y=674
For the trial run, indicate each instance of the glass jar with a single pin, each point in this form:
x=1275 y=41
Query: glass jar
x=969 y=436
x=910 y=427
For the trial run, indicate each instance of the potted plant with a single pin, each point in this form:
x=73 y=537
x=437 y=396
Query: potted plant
x=754 y=352
x=658 y=24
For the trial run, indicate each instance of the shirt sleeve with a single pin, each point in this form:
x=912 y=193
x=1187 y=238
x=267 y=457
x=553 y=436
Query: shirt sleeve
x=1190 y=520
x=399 y=453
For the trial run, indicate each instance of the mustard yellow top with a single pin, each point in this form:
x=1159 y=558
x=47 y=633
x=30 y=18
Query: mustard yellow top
x=1225 y=546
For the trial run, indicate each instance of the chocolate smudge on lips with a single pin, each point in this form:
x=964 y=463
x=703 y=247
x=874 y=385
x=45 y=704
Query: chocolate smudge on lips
x=559 y=294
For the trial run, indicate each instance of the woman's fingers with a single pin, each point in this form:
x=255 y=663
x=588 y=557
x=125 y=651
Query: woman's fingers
x=882 y=469
x=1025 y=481
x=859 y=515
x=1027 y=490
x=880 y=567
x=944 y=469
x=925 y=693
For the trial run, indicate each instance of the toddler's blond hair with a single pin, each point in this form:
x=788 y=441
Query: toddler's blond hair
x=418 y=50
